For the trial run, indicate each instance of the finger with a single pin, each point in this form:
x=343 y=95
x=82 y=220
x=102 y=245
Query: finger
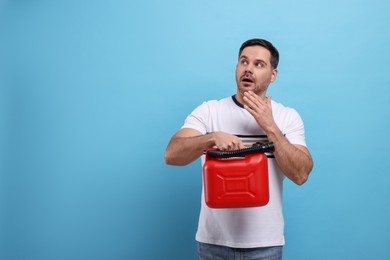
x=228 y=146
x=251 y=102
x=270 y=102
x=241 y=145
x=250 y=110
x=257 y=101
x=252 y=96
x=235 y=146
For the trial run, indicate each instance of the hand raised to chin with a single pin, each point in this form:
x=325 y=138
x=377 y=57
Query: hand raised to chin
x=260 y=108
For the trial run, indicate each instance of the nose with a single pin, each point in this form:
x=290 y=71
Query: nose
x=249 y=68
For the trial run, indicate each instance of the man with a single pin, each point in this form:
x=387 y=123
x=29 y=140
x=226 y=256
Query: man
x=235 y=123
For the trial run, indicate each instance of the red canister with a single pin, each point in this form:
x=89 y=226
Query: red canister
x=236 y=182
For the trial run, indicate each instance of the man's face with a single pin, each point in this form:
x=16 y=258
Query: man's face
x=254 y=71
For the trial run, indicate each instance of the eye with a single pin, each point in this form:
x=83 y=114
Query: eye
x=259 y=65
x=244 y=62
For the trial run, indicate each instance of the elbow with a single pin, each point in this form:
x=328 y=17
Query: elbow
x=303 y=176
x=172 y=160
x=301 y=180
x=168 y=159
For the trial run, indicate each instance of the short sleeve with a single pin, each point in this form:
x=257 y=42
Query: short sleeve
x=198 y=118
x=294 y=129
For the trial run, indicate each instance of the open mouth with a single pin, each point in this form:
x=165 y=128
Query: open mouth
x=247 y=80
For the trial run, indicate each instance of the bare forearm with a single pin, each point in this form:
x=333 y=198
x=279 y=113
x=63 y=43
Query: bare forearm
x=184 y=150
x=188 y=144
x=295 y=161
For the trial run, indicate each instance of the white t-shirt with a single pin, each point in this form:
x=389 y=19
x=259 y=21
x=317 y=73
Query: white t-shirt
x=245 y=227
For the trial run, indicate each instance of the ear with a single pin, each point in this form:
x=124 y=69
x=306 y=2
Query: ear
x=274 y=75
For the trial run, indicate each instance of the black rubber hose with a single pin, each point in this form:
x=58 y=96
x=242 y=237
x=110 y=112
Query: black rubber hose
x=267 y=147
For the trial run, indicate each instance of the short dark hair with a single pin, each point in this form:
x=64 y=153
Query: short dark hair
x=263 y=43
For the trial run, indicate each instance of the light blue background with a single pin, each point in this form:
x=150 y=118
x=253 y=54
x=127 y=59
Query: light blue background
x=92 y=91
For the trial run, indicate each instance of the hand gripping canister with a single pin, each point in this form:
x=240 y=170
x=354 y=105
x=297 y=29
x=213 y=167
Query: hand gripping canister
x=237 y=179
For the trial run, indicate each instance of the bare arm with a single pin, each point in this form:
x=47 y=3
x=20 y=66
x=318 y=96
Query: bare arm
x=188 y=144
x=294 y=160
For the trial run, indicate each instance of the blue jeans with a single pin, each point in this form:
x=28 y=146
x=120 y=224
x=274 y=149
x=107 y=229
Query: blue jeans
x=216 y=252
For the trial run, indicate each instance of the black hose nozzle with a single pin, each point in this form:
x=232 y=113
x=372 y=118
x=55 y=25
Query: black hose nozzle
x=267 y=147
